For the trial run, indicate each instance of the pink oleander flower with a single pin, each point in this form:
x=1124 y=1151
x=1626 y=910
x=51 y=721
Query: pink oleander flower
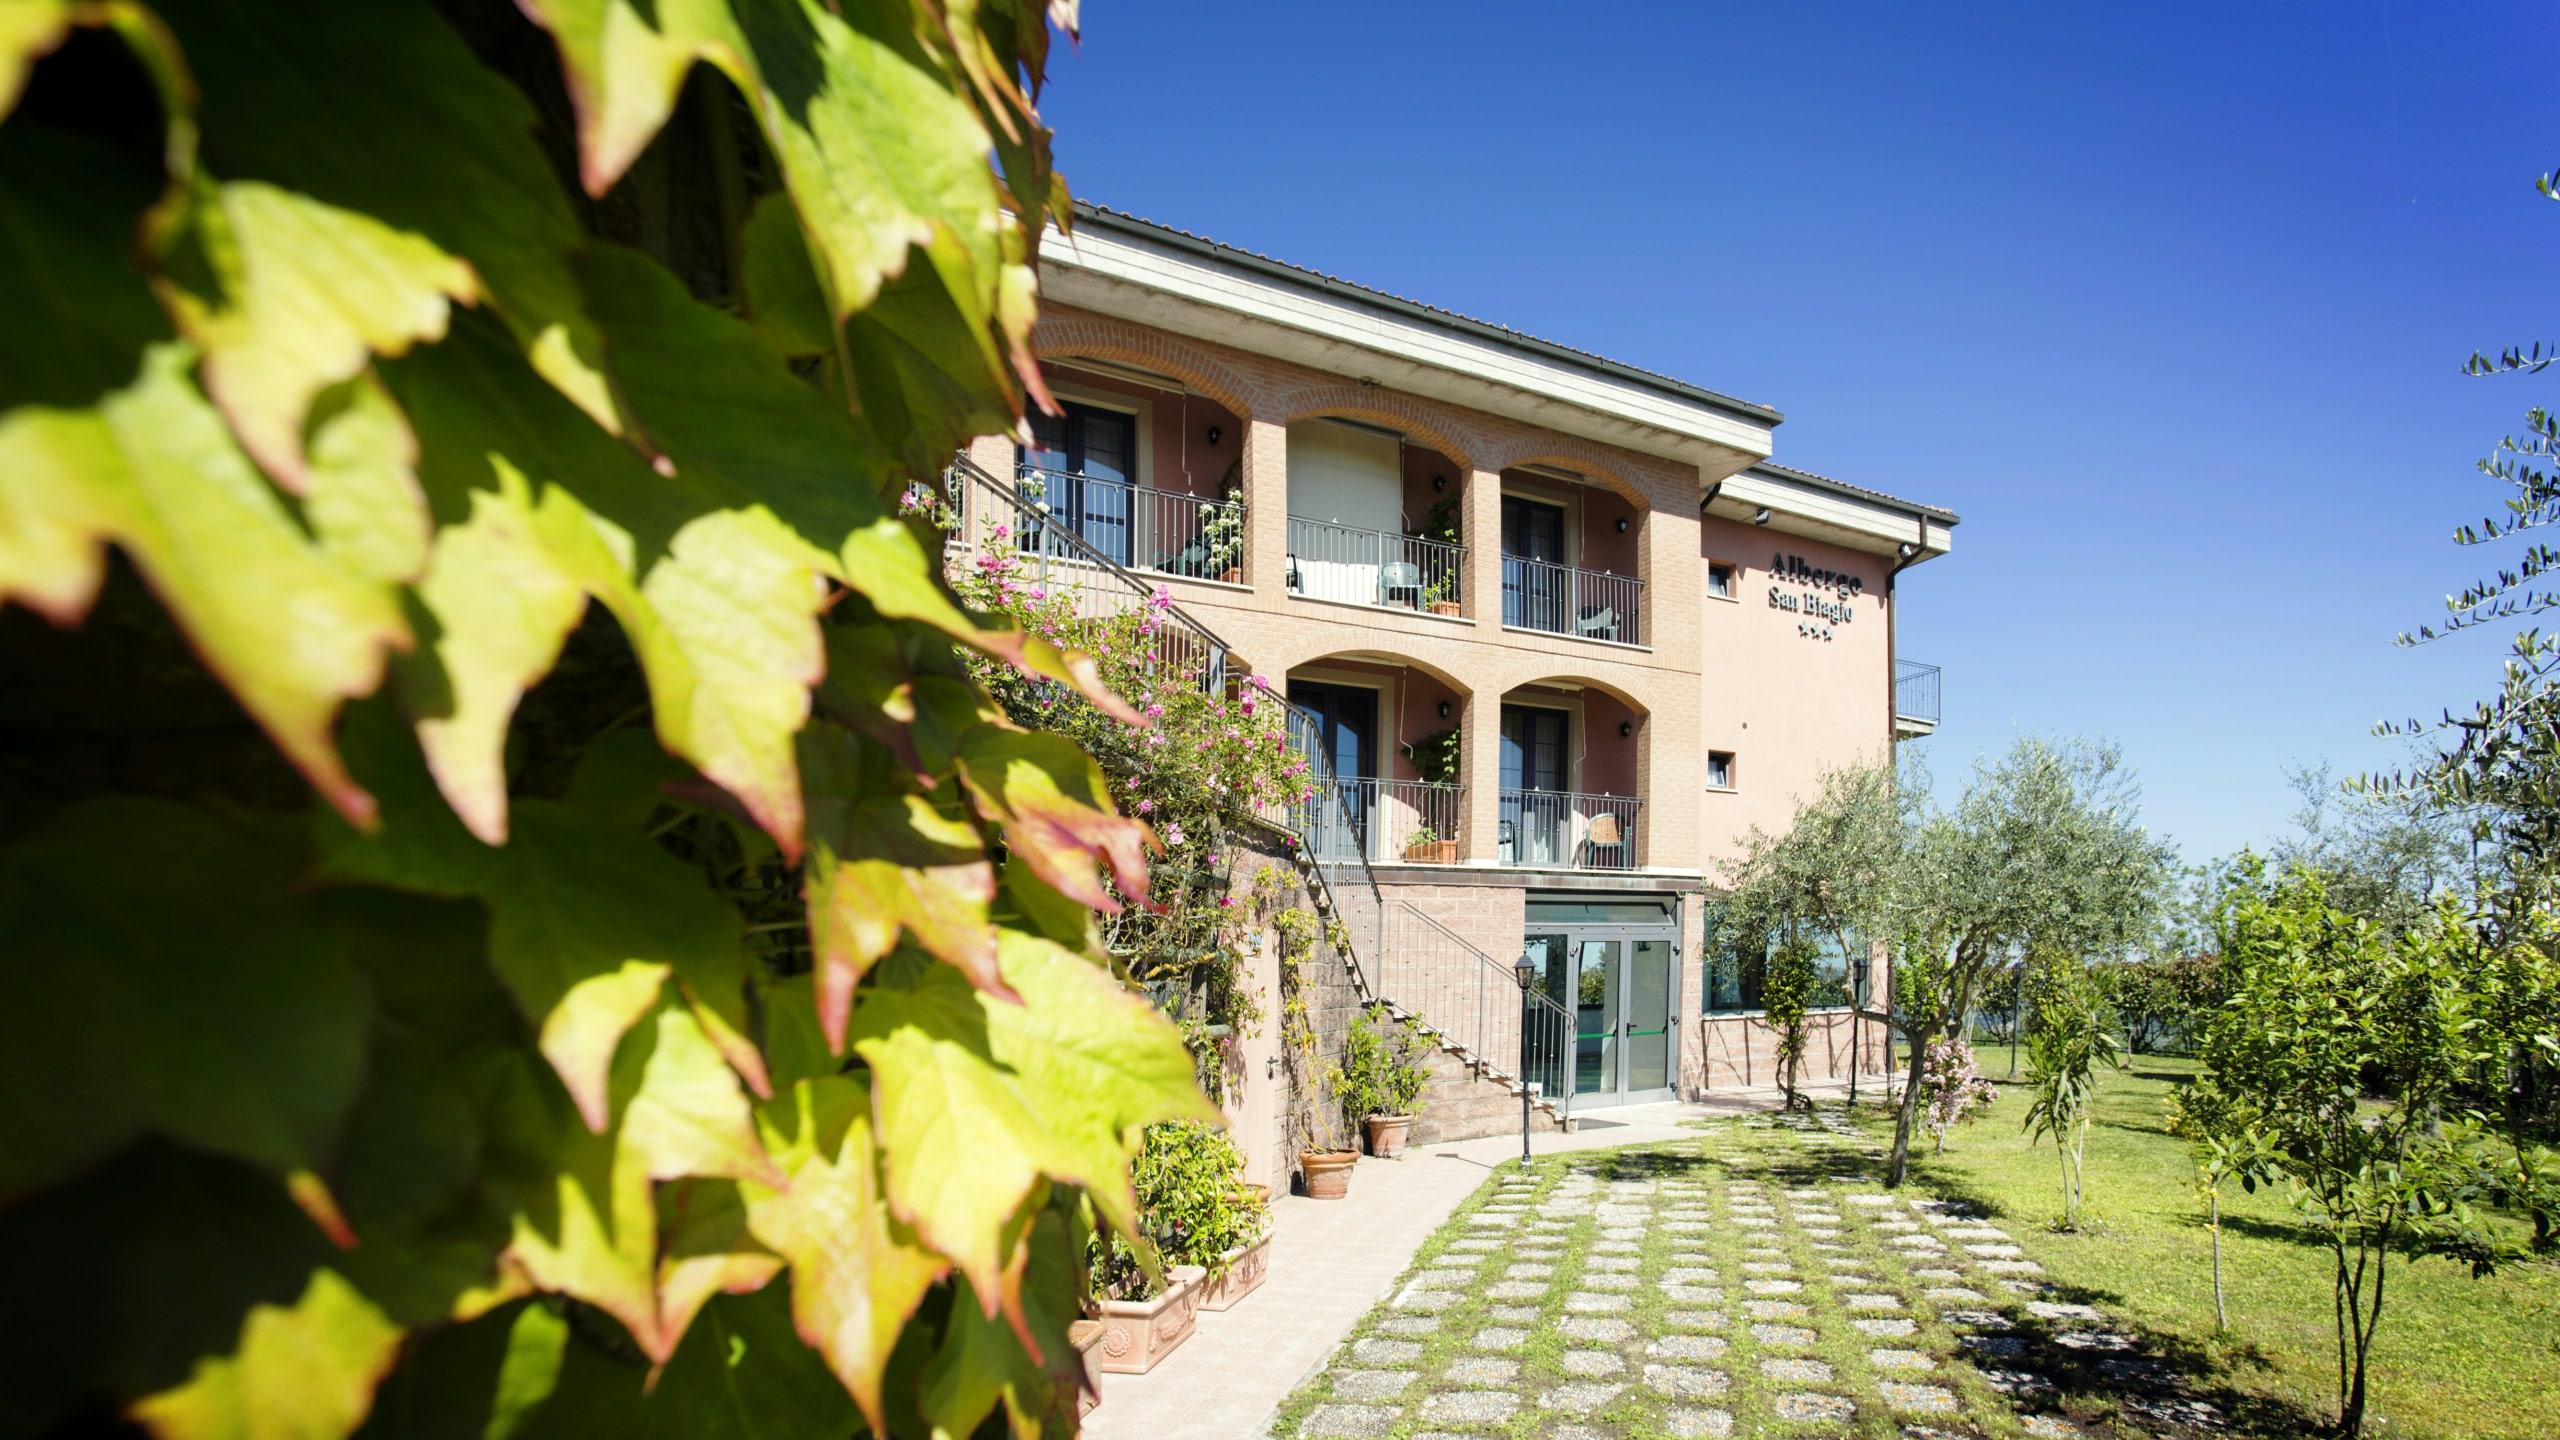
x=1155 y=712
x=1002 y=531
x=1173 y=836
x=1146 y=807
x=1226 y=902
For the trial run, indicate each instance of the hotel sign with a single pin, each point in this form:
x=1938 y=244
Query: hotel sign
x=1823 y=600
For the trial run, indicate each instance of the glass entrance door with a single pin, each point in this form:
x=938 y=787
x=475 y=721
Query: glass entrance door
x=1618 y=988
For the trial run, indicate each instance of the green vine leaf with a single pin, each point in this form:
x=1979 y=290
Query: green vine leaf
x=182 y=992
x=287 y=296
x=27 y=30
x=708 y=1249
x=152 y=471
x=360 y=490
x=857 y=1272
x=382 y=111
x=1061 y=1084
x=308 y=1369
x=885 y=861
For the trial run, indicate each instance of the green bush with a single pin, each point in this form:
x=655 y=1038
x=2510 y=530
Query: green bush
x=1192 y=1203
x=1376 y=1077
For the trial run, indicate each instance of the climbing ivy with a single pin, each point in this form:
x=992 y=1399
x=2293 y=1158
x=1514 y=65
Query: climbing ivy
x=521 y=917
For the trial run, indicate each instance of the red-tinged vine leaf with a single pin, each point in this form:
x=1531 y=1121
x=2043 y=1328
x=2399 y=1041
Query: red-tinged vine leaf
x=304 y=1370
x=857 y=1273
x=708 y=1250
x=625 y=62
x=360 y=492
x=869 y=690
x=503 y=608
x=1059 y=1085
x=381 y=110
x=1056 y=812
x=886 y=861
x=183 y=990
x=152 y=471
x=287 y=296
x=581 y=1218
x=985 y=1360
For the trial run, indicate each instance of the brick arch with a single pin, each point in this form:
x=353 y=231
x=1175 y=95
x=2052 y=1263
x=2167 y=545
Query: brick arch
x=1379 y=655
x=1379 y=407
x=1619 y=693
x=1601 y=469
x=1076 y=337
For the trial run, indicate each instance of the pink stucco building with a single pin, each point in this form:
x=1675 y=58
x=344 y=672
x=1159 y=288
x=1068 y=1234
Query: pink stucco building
x=1562 y=626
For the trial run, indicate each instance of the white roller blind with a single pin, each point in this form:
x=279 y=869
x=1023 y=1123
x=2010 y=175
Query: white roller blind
x=1345 y=475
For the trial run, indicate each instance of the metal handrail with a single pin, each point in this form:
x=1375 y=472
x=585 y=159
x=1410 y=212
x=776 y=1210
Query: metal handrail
x=1567 y=828
x=1474 y=1003
x=1171 y=532
x=1063 y=562
x=1361 y=566
x=1569 y=600
x=1319 y=822
x=1915 y=691
x=1387 y=817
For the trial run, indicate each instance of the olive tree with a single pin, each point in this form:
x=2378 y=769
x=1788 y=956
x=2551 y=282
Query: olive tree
x=2043 y=851
x=1836 y=871
x=1785 y=997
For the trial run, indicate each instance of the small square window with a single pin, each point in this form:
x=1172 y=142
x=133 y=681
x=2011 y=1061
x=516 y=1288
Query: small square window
x=1721 y=582
x=1719 y=769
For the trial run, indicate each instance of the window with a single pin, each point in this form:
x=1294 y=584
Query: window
x=1082 y=465
x=1719 y=769
x=1737 y=966
x=1721 y=581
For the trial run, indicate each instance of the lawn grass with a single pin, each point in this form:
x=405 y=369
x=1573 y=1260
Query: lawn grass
x=2456 y=1357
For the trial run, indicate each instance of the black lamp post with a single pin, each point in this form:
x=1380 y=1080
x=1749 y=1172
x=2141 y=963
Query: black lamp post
x=1526 y=974
x=1857 y=1017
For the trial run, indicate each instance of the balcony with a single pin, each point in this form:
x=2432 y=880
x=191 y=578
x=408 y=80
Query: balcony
x=1566 y=830
x=1358 y=566
x=1167 y=531
x=1915 y=699
x=1390 y=821
x=1569 y=600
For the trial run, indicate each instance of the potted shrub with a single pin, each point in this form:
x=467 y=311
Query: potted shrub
x=1245 y=1263
x=1425 y=847
x=1184 y=1176
x=1222 y=531
x=1441 y=595
x=1378 y=1083
x=1199 y=1212
x=1143 y=1320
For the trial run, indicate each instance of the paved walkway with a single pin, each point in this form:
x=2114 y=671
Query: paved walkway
x=1331 y=1261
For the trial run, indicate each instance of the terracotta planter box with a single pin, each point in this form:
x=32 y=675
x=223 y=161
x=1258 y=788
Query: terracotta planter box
x=1444 y=607
x=1328 y=1172
x=1386 y=1134
x=1138 y=1333
x=1087 y=1337
x=1246 y=1270
x=1436 y=852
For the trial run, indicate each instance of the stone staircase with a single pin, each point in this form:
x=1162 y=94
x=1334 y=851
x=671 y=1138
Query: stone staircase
x=1466 y=1095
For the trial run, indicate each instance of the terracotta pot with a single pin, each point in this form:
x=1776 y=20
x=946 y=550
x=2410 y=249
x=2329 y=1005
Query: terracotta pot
x=1138 y=1333
x=1444 y=607
x=1435 y=852
x=1328 y=1172
x=1087 y=1335
x=1233 y=575
x=1386 y=1134
x=1247 y=1268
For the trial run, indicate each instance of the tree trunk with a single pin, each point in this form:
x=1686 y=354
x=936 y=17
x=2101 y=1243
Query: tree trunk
x=2221 y=1316
x=1898 y=1163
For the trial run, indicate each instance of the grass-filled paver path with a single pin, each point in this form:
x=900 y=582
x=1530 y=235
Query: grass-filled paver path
x=1753 y=1281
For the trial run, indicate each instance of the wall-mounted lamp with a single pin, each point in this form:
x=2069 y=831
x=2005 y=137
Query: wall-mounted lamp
x=1626 y=729
x=1439 y=482
x=1906 y=550
x=1444 y=709
x=1760 y=516
x=1217 y=433
x=1622 y=524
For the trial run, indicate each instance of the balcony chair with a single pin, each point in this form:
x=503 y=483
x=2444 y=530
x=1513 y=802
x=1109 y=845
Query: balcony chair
x=1597 y=622
x=1400 y=577
x=1603 y=835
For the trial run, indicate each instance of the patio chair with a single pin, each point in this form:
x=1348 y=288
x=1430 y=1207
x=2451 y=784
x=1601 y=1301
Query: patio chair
x=1603 y=835
x=1400 y=577
x=1597 y=622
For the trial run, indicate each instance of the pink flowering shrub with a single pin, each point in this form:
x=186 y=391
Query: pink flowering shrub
x=1953 y=1088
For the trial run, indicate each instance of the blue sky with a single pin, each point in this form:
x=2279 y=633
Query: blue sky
x=2169 y=302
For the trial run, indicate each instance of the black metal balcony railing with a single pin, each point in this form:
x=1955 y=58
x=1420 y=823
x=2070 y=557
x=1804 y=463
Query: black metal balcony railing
x=1566 y=829
x=1387 y=820
x=1915 y=692
x=1168 y=531
x=1372 y=567
x=1569 y=600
